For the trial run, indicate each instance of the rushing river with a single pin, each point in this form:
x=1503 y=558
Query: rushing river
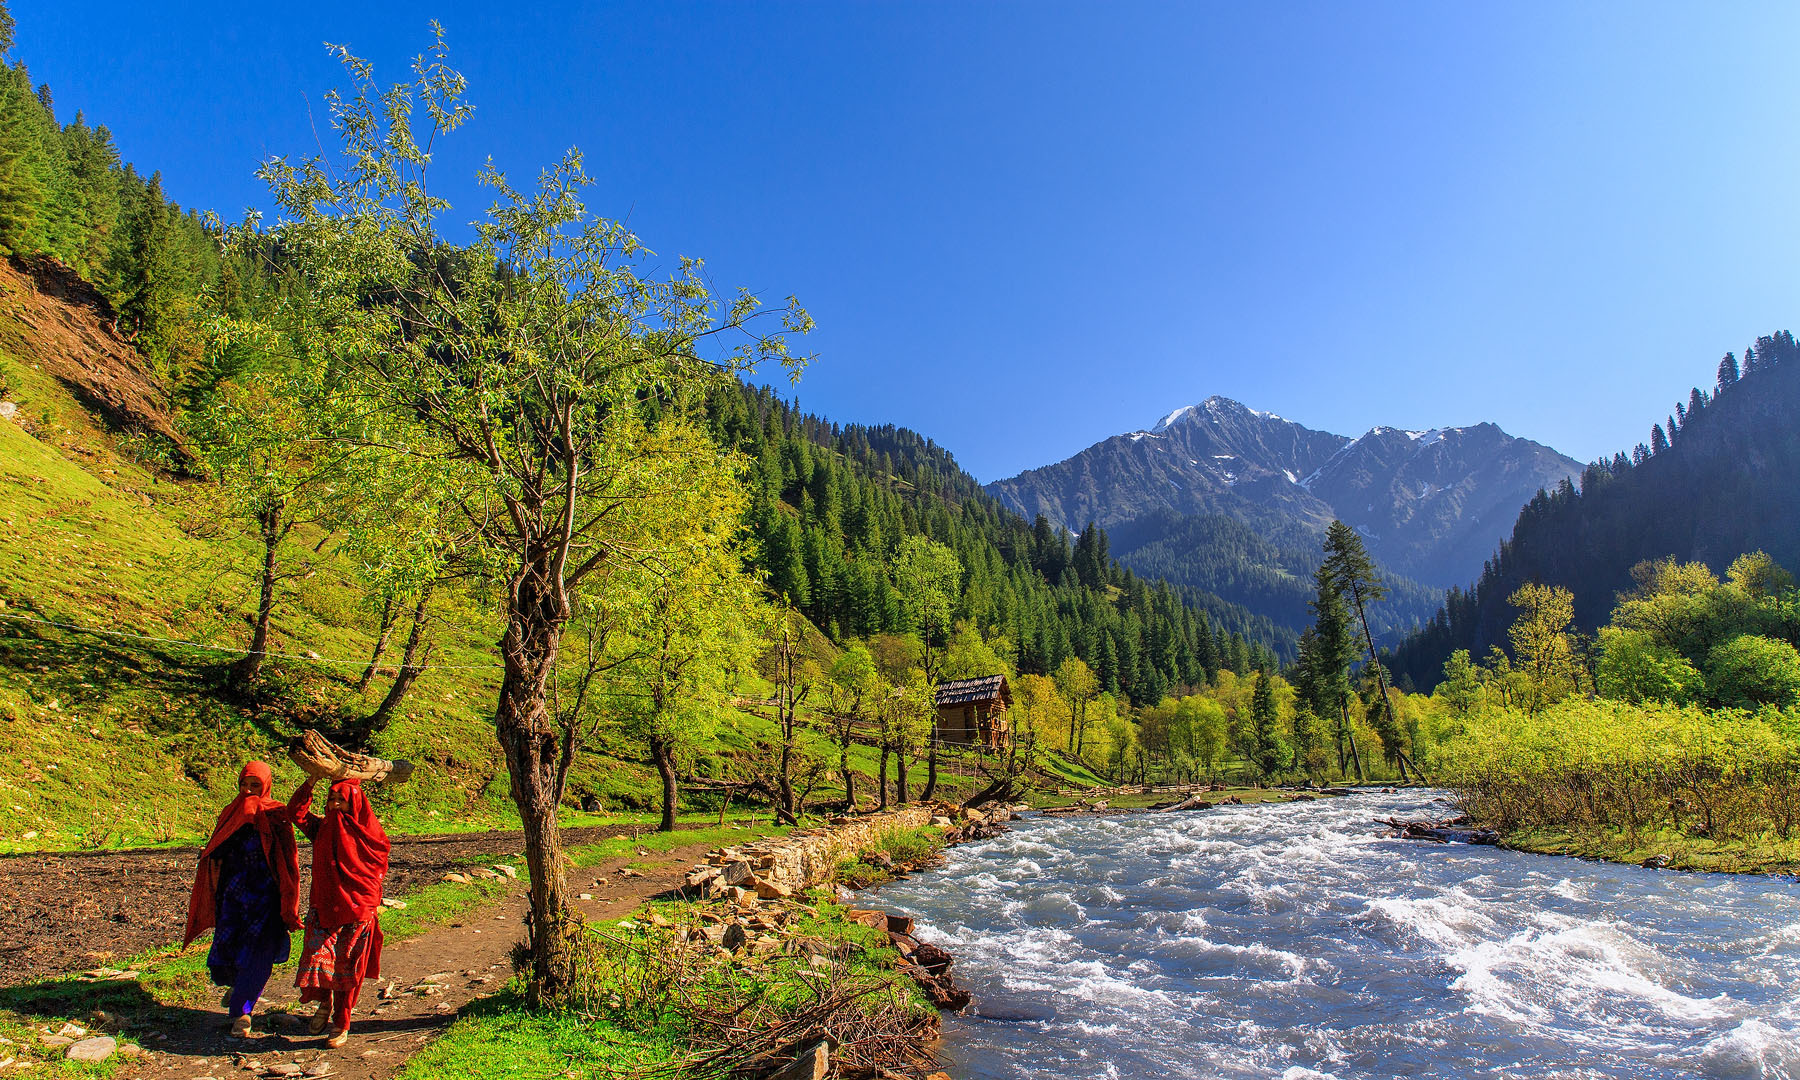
x=1290 y=941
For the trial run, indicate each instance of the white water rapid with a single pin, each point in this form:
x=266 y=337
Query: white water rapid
x=1290 y=941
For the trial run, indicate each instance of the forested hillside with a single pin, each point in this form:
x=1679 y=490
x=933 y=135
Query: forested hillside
x=65 y=194
x=1718 y=478
x=1270 y=574
x=831 y=502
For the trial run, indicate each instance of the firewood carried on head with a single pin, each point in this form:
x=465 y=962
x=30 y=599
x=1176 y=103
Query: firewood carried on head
x=322 y=759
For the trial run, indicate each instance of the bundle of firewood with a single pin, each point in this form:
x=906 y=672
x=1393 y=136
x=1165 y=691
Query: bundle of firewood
x=323 y=759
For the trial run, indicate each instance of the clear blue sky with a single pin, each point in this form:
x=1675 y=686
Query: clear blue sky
x=1023 y=227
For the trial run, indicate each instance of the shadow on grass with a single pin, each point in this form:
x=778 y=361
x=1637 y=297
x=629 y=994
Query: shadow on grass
x=214 y=726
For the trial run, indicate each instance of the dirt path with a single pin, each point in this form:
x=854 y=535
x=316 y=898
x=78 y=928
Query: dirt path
x=68 y=911
x=431 y=978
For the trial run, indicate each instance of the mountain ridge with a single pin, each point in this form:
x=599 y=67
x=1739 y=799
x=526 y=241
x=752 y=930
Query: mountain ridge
x=1431 y=503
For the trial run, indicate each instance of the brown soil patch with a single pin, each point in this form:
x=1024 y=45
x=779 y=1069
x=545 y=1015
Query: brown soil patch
x=54 y=319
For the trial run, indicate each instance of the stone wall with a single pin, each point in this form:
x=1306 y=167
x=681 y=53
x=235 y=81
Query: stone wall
x=780 y=866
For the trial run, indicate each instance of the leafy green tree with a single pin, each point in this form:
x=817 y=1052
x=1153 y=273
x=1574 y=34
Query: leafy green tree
x=1079 y=686
x=1758 y=577
x=527 y=359
x=1540 y=640
x=674 y=632
x=266 y=441
x=928 y=574
x=1206 y=727
x=1751 y=671
x=1636 y=668
x=1461 y=688
x=853 y=687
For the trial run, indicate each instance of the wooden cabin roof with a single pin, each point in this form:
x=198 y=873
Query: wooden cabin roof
x=984 y=688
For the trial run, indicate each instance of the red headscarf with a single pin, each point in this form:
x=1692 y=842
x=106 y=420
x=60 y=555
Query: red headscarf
x=350 y=860
x=272 y=825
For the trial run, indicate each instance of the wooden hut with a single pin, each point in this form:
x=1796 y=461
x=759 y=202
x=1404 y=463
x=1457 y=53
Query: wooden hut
x=973 y=711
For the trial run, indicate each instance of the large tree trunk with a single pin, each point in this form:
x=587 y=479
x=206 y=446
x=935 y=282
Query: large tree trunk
x=881 y=782
x=1344 y=706
x=412 y=665
x=785 y=783
x=662 y=751
x=534 y=758
x=1380 y=677
x=389 y=617
x=900 y=782
x=849 y=777
x=272 y=529
x=931 y=764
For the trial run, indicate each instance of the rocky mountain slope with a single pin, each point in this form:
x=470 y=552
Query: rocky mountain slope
x=1431 y=504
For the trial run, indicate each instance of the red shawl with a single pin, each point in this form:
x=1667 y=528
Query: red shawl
x=273 y=825
x=350 y=857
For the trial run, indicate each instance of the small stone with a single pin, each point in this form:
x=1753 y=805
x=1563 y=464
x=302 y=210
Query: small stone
x=511 y=872
x=460 y=879
x=629 y=872
x=390 y=902
x=8 y=409
x=98 y=1048
x=585 y=896
x=54 y=1041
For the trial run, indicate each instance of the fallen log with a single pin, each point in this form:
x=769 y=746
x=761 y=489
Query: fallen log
x=1440 y=832
x=1197 y=802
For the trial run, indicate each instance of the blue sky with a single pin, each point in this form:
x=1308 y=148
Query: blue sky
x=1023 y=227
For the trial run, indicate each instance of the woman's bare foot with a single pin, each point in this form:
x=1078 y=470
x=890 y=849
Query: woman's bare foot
x=338 y=1037
x=240 y=1028
x=321 y=1018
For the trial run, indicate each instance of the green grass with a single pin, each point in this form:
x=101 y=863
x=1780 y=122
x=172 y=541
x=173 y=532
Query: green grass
x=501 y=1038
x=911 y=846
x=1768 y=855
x=616 y=847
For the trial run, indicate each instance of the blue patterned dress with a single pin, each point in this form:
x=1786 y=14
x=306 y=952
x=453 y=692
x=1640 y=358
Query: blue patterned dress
x=249 y=937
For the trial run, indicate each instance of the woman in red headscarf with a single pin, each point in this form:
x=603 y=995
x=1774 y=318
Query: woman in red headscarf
x=247 y=890
x=343 y=935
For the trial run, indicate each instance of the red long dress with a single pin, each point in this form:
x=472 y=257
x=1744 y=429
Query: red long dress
x=343 y=933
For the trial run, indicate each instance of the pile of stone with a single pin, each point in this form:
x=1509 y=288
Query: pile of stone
x=928 y=965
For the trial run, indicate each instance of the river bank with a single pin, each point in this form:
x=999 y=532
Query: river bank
x=1665 y=851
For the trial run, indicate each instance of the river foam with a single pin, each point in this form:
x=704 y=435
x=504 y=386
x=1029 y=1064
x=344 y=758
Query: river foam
x=1291 y=941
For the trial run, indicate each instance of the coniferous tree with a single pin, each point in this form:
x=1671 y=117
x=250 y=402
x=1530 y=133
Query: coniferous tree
x=1354 y=575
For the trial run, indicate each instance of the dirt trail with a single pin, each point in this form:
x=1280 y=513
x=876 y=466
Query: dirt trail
x=432 y=977
x=67 y=911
